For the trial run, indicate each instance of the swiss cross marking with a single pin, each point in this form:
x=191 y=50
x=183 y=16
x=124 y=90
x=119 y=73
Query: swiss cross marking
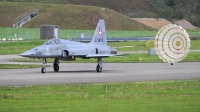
x=100 y=32
x=57 y=48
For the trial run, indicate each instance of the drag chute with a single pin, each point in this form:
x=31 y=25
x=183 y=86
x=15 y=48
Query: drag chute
x=172 y=43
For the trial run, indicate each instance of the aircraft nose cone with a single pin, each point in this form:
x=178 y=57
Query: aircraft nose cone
x=27 y=54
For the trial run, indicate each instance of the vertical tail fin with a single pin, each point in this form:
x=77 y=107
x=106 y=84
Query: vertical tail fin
x=99 y=37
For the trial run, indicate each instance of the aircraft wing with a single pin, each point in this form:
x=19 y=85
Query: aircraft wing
x=104 y=55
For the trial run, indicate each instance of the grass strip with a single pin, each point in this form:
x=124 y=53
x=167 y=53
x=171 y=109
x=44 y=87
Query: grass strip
x=18 y=66
x=18 y=47
x=170 y=96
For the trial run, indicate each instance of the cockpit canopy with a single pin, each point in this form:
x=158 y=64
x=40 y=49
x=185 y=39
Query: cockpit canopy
x=52 y=42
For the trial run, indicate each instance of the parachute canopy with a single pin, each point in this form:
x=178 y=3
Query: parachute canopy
x=172 y=43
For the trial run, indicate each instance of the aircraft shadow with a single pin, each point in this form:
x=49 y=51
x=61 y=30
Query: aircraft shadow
x=85 y=71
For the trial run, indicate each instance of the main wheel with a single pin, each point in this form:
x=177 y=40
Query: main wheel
x=56 y=67
x=98 y=68
x=43 y=70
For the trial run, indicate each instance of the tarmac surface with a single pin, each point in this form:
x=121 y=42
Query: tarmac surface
x=86 y=73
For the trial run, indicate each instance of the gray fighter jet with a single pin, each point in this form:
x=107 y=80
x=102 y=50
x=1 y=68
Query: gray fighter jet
x=69 y=50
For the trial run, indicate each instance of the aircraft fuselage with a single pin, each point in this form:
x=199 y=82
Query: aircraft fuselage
x=66 y=48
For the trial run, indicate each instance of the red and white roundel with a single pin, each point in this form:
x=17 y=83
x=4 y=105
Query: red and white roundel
x=100 y=32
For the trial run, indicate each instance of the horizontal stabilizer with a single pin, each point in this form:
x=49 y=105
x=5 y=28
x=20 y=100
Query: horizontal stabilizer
x=122 y=54
x=99 y=55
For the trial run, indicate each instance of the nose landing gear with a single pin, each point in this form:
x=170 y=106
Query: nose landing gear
x=55 y=65
x=43 y=70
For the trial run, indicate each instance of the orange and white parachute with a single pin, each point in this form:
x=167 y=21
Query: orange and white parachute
x=172 y=43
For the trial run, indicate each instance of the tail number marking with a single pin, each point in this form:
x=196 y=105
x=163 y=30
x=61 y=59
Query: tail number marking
x=98 y=40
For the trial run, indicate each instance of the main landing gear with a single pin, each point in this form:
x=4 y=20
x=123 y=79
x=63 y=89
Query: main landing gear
x=99 y=65
x=55 y=65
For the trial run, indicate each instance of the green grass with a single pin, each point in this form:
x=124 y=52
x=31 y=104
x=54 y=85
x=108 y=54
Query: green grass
x=18 y=66
x=34 y=33
x=17 y=47
x=160 y=96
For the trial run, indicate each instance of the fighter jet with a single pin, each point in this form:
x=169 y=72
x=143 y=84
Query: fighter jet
x=70 y=50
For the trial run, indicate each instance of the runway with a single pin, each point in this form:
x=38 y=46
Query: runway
x=71 y=73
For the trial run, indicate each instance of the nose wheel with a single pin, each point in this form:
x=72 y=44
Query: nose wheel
x=43 y=70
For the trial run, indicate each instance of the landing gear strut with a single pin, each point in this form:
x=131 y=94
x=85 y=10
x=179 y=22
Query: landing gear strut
x=99 y=65
x=43 y=70
x=56 y=65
